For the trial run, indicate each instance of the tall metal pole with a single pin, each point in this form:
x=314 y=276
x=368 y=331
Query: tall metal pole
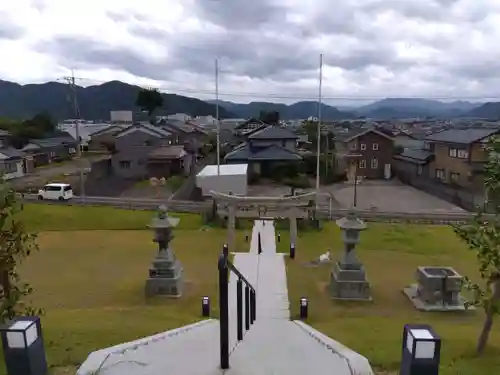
x=76 y=109
x=318 y=151
x=217 y=113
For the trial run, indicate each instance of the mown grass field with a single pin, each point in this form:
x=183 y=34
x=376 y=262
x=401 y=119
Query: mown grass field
x=391 y=254
x=90 y=272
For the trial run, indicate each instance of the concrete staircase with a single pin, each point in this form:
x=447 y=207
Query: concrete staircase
x=274 y=345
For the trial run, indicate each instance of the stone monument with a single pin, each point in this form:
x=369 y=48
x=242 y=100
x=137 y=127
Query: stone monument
x=348 y=277
x=437 y=289
x=166 y=272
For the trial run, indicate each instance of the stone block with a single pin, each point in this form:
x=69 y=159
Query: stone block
x=170 y=285
x=349 y=284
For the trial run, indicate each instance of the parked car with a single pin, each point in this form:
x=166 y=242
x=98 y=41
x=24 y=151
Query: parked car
x=56 y=191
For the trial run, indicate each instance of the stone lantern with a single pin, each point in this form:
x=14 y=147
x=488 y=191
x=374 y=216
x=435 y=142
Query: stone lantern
x=166 y=272
x=348 y=278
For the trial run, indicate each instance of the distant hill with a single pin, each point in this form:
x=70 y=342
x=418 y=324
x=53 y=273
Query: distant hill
x=299 y=110
x=96 y=102
x=490 y=111
x=384 y=109
x=414 y=107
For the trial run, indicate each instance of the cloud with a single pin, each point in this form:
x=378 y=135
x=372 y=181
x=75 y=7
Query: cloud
x=8 y=29
x=267 y=49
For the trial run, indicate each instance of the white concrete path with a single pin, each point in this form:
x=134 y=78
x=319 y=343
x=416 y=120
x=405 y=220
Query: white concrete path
x=274 y=345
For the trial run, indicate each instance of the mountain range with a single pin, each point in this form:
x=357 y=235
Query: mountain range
x=384 y=109
x=96 y=102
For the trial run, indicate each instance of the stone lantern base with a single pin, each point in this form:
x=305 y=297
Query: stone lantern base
x=166 y=277
x=349 y=283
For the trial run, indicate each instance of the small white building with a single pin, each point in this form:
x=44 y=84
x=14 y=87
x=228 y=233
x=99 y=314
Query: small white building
x=122 y=117
x=229 y=178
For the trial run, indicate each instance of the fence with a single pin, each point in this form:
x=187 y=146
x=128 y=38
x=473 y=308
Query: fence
x=466 y=200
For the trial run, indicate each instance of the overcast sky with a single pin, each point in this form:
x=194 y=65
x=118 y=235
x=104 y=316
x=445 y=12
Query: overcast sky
x=268 y=49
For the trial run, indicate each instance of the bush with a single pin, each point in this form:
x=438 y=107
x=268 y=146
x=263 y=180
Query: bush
x=175 y=182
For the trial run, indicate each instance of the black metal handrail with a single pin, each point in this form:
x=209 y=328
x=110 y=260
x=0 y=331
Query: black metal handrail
x=225 y=266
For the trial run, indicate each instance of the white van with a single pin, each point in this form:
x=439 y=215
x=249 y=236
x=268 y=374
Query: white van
x=56 y=191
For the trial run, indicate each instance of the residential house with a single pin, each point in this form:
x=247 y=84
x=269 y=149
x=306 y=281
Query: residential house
x=412 y=163
x=460 y=156
x=366 y=153
x=190 y=135
x=14 y=163
x=101 y=139
x=248 y=126
x=52 y=149
x=141 y=149
x=263 y=148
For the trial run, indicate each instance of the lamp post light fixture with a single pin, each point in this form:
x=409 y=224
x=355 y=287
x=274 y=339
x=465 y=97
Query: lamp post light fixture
x=421 y=350
x=304 y=308
x=23 y=347
x=292 y=251
x=205 y=307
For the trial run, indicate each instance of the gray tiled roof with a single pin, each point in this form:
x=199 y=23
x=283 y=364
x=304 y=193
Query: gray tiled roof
x=272 y=152
x=273 y=132
x=415 y=156
x=462 y=136
x=12 y=152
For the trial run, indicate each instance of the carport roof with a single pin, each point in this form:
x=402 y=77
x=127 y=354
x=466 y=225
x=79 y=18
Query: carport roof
x=415 y=156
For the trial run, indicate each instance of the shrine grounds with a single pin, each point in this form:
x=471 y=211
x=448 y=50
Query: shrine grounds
x=90 y=272
x=390 y=254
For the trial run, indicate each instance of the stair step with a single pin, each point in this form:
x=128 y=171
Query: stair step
x=193 y=351
x=289 y=351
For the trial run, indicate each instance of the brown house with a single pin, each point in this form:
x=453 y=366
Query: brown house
x=367 y=152
x=166 y=161
x=460 y=156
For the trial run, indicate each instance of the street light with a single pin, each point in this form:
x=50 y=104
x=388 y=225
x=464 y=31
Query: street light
x=355 y=157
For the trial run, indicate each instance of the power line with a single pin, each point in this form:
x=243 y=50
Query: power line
x=209 y=92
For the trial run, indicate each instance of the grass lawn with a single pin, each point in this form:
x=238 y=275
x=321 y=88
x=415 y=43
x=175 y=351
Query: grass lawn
x=44 y=217
x=91 y=284
x=90 y=272
x=391 y=254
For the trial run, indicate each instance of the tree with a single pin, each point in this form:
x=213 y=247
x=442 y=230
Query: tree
x=270 y=118
x=482 y=235
x=16 y=243
x=149 y=100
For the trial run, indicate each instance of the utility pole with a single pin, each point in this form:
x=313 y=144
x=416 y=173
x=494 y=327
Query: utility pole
x=76 y=111
x=217 y=113
x=318 y=151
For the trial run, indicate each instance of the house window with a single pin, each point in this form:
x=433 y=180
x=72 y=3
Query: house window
x=72 y=150
x=452 y=152
x=462 y=154
x=440 y=174
x=375 y=147
x=10 y=167
x=52 y=154
x=374 y=163
x=125 y=164
x=362 y=164
x=427 y=146
x=363 y=146
x=420 y=170
x=454 y=177
x=354 y=146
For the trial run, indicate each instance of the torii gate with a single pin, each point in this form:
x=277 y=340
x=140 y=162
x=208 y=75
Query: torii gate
x=293 y=207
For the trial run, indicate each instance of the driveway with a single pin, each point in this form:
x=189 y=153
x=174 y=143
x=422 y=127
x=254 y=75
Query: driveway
x=390 y=197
